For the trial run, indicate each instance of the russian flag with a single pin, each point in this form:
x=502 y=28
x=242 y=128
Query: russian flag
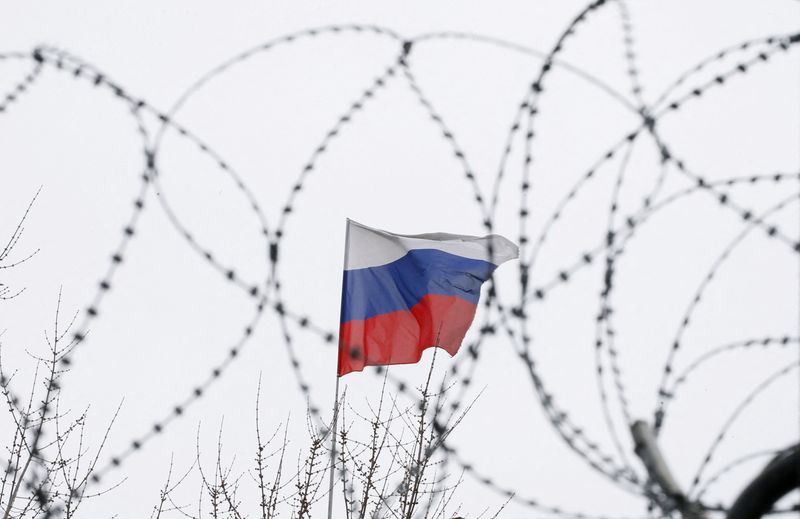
x=402 y=293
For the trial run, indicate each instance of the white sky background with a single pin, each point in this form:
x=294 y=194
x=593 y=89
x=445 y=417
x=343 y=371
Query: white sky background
x=170 y=318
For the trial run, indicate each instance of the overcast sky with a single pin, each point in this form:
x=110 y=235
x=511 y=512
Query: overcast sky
x=171 y=317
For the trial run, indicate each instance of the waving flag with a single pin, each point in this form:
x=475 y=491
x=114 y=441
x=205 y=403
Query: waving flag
x=402 y=294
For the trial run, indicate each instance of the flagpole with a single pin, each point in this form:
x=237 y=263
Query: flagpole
x=333 y=448
x=336 y=399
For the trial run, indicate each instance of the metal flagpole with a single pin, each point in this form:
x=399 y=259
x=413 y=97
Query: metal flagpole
x=336 y=400
x=333 y=448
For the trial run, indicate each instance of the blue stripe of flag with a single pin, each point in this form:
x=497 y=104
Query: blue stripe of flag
x=401 y=284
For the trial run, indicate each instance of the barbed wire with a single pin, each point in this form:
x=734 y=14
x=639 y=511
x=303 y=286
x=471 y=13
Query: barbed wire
x=500 y=317
x=22 y=86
